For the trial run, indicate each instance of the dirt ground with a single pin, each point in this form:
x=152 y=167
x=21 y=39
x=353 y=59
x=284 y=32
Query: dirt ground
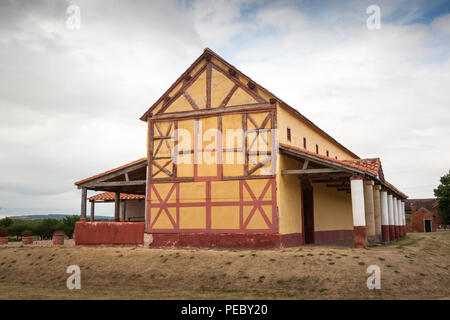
x=414 y=268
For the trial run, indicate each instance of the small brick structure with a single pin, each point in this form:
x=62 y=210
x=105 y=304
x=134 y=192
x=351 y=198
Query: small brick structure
x=3 y=240
x=58 y=239
x=27 y=240
x=419 y=216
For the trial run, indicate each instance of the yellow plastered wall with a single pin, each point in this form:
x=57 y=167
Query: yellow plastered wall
x=332 y=209
x=289 y=197
x=299 y=130
x=241 y=78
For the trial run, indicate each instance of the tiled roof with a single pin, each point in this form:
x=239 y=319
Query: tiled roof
x=391 y=186
x=342 y=162
x=422 y=203
x=370 y=165
x=110 y=171
x=111 y=196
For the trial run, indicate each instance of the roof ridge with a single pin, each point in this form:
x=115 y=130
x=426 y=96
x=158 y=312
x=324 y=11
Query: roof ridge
x=207 y=51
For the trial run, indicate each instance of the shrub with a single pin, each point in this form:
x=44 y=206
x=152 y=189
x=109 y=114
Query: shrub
x=18 y=226
x=6 y=222
x=69 y=224
x=46 y=227
x=3 y=232
x=27 y=233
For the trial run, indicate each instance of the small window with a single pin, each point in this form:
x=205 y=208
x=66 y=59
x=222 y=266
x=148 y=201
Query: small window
x=336 y=157
x=289 y=134
x=328 y=154
x=317 y=148
x=304 y=142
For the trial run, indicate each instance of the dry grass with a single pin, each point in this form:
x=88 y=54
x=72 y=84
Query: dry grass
x=414 y=268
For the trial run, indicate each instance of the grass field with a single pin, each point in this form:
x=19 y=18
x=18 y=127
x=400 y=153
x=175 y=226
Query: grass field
x=414 y=268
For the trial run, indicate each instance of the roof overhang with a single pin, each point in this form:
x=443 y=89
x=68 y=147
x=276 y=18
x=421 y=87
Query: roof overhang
x=129 y=178
x=334 y=167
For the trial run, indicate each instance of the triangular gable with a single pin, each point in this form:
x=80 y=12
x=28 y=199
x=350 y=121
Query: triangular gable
x=219 y=91
x=208 y=84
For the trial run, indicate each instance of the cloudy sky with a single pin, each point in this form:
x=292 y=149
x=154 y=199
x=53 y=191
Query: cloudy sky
x=70 y=99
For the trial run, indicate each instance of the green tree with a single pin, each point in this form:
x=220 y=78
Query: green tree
x=18 y=226
x=68 y=224
x=442 y=193
x=6 y=222
x=45 y=228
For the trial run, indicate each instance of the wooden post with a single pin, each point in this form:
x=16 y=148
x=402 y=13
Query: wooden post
x=117 y=206
x=122 y=210
x=83 y=203
x=92 y=210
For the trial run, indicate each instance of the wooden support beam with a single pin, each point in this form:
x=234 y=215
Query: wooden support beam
x=120 y=172
x=83 y=202
x=116 y=206
x=210 y=112
x=305 y=164
x=120 y=183
x=325 y=180
x=127 y=178
x=337 y=185
x=310 y=171
x=122 y=210
x=321 y=161
x=92 y=210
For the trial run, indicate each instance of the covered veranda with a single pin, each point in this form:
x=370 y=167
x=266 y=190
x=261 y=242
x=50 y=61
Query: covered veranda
x=121 y=184
x=377 y=207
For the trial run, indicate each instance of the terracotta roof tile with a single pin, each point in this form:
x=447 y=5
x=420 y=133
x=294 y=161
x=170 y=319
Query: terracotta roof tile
x=110 y=171
x=370 y=165
x=111 y=196
x=343 y=162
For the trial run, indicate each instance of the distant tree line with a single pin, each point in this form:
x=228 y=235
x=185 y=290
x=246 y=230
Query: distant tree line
x=442 y=193
x=43 y=228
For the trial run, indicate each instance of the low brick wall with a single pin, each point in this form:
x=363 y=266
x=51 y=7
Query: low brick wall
x=58 y=240
x=109 y=233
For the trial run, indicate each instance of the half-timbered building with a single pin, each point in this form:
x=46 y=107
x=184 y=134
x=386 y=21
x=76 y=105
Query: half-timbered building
x=229 y=164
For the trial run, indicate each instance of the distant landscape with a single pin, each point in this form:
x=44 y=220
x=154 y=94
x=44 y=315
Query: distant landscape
x=53 y=216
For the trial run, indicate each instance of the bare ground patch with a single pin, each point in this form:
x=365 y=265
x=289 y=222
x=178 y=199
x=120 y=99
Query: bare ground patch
x=414 y=268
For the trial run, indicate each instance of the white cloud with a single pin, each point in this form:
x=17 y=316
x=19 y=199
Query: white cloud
x=70 y=100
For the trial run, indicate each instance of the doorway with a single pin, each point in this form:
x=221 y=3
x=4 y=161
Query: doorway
x=427 y=223
x=308 y=211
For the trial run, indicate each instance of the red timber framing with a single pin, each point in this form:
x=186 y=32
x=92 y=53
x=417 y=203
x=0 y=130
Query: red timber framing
x=257 y=205
x=252 y=202
x=164 y=141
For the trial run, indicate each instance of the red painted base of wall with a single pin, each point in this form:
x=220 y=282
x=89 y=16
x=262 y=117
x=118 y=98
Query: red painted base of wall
x=332 y=235
x=360 y=238
x=109 y=233
x=392 y=233
x=385 y=234
x=243 y=241
x=3 y=240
